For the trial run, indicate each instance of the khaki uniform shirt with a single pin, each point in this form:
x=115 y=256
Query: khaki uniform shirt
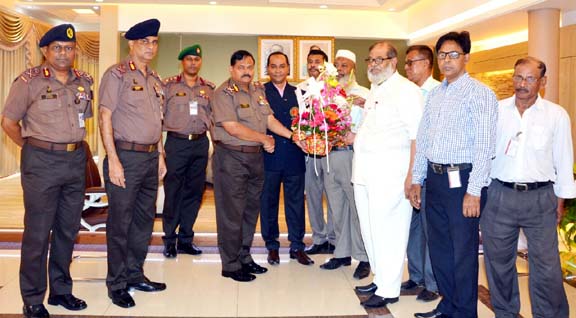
x=249 y=108
x=135 y=100
x=49 y=110
x=188 y=109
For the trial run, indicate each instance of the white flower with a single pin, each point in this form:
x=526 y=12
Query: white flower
x=330 y=69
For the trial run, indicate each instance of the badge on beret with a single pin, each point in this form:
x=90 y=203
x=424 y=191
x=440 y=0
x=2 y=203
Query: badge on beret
x=70 y=33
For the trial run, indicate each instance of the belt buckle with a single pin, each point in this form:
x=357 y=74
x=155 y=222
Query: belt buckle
x=522 y=187
x=151 y=148
x=191 y=137
x=70 y=147
x=437 y=168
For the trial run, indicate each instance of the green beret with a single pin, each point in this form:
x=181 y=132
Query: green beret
x=62 y=32
x=195 y=50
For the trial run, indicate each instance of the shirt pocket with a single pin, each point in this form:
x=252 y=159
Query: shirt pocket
x=540 y=137
x=177 y=115
x=50 y=110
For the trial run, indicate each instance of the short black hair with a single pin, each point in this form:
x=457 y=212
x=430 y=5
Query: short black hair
x=425 y=51
x=277 y=53
x=239 y=56
x=318 y=52
x=391 y=51
x=530 y=59
x=462 y=39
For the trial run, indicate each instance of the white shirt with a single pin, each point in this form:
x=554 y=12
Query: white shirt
x=428 y=85
x=392 y=114
x=543 y=146
x=356 y=111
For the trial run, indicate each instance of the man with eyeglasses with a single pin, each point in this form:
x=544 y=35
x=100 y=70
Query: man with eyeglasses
x=384 y=149
x=531 y=176
x=418 y=65
x=53 y=101
x=456 y=141
x=131 y=102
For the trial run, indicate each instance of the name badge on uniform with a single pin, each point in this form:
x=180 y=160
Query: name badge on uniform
x=137 y=88
x=193 y=108
x=513 y=145
x=454 y=177
x=244 y=105
x=49 y=96
x=81 y=122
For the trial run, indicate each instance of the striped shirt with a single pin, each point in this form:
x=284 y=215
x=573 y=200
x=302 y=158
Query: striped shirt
x=458 y=126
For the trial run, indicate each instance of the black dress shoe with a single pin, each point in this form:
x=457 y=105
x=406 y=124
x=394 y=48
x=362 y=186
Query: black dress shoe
x=170 y=250
x=334 y=263
x=431 y=314
x=330 y=249
x=426 y=296
x=67 y=301
x=122 y=298
x=253 y=268
x=301 y=257
x=189 y=248
x=318 y=249
x=366 y=289
x=409 y=285
x=239 y=276
x=362 y=270
x=35 y=311
x=147 y=285
x=377 y=302
x=273 y=257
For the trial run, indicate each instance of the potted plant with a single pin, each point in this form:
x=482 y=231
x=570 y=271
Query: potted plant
x=567 y=232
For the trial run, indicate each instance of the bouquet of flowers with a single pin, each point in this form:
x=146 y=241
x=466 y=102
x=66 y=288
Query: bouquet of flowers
x=324 y=113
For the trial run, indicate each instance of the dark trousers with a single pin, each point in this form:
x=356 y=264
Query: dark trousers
x=130 y=217
x=238 y=180
x=53 y=183
x=453 y=245
x=506 y=212
x=293 y=209
x=184 y=186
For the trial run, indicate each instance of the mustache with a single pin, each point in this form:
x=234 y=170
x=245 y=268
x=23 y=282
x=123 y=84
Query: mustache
x=521 y=90
x=247 y=75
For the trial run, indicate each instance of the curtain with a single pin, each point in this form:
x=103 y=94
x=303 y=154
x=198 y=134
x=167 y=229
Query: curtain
x=90 y=65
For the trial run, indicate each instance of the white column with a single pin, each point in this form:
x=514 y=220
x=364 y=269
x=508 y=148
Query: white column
x=544 y=44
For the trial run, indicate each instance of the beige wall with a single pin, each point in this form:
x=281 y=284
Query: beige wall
x=568 y=73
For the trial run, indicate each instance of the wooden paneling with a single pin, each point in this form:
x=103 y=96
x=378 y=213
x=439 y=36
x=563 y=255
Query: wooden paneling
x=502 y=58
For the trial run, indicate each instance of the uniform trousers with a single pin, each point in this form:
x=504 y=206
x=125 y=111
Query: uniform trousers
x=131 y=213
x=419 y=264
x=293 y=209
x=384 y=215
x=184 y=185
x=340 y=194
x=506 y=212
x=453 y=245
x=53 y=183
x=322 y=228
x=238 y=181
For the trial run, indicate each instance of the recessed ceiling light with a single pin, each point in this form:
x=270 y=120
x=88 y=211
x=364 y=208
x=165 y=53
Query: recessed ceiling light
x=83 y=11
x=392 y=9
x=95 y=7
x=213 y=2
x=323 y=6
x=99 y=0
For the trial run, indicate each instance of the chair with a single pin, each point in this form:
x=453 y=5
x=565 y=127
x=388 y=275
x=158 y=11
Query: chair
x=95 y=209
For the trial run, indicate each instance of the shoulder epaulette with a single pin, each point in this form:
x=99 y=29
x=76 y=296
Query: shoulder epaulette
x=173 y=79
x=84 y=75
x=258 y=84
x=231 y=89
x=29 y=74
x=207 y=83
x=157 y=76
x=121 y=69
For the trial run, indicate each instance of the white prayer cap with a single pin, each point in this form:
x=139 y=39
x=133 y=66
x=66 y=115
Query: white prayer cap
x=346 y=54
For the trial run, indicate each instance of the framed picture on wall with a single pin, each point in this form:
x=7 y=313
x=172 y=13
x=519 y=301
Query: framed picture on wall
x=271 y=44
x=305 y=44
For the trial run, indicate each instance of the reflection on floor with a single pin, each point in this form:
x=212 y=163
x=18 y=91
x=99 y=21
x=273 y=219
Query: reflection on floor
x=196 y=289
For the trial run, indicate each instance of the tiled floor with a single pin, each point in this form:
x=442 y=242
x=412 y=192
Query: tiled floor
x=196 y=289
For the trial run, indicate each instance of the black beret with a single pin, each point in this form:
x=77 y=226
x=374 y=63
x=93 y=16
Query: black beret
x=62 y=32
x=143 y=29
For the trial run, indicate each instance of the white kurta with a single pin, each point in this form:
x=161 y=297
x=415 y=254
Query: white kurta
x=392 y=113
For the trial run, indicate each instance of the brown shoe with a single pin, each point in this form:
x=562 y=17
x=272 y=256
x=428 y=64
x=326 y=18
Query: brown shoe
x=273 y=257
x=301 y=257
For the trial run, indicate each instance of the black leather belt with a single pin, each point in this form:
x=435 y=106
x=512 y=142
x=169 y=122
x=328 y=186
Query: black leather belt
x=132 y=146
x=440 y=168
x=53 y=146
x=525 y=186
x=245 y=149
x=184 y=136
x=342 y=148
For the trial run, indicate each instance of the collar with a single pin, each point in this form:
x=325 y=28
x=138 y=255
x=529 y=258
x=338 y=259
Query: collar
x=237 y=87
x=131 y=66
x=459 y=82
x=538 y=104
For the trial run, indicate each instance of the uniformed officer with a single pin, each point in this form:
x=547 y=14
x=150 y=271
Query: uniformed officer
x=285 y=166
x=131 y=102
x=241 y=116
x=188 y=115
x=52 y=101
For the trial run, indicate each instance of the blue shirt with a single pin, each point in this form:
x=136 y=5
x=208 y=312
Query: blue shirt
x=287 y=157
x=458 y=126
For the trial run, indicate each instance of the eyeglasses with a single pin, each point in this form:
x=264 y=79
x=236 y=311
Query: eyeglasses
x=453 y=55
x=410 y=62
x=60 y=48
x=147 y=42
x=528 y=79
x=378 y=60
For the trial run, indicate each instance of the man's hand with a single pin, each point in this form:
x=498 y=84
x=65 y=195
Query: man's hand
x=161 y=167
x=560 y=210
x=408 y=186
x=268 y=144
x=358 y=101
x=350 y=137
x=116 y=172
x=471 y=206
x=414 y=195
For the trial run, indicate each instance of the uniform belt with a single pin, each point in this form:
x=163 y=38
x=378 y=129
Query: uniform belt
x=440 y=168
x=525 y=186
x=132 y=146
x=53 y=146
x=184 y=136
x=342 y=148
x=246 y=149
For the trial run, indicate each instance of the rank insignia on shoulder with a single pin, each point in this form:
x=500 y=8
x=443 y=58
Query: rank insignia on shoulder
x=207 y=83
x=137 y=88
x=180 y=93
x=258 y=84
x=244 y=105
x=230 y=90
x=202 y=94
x=29 y=74
x=262 y=101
